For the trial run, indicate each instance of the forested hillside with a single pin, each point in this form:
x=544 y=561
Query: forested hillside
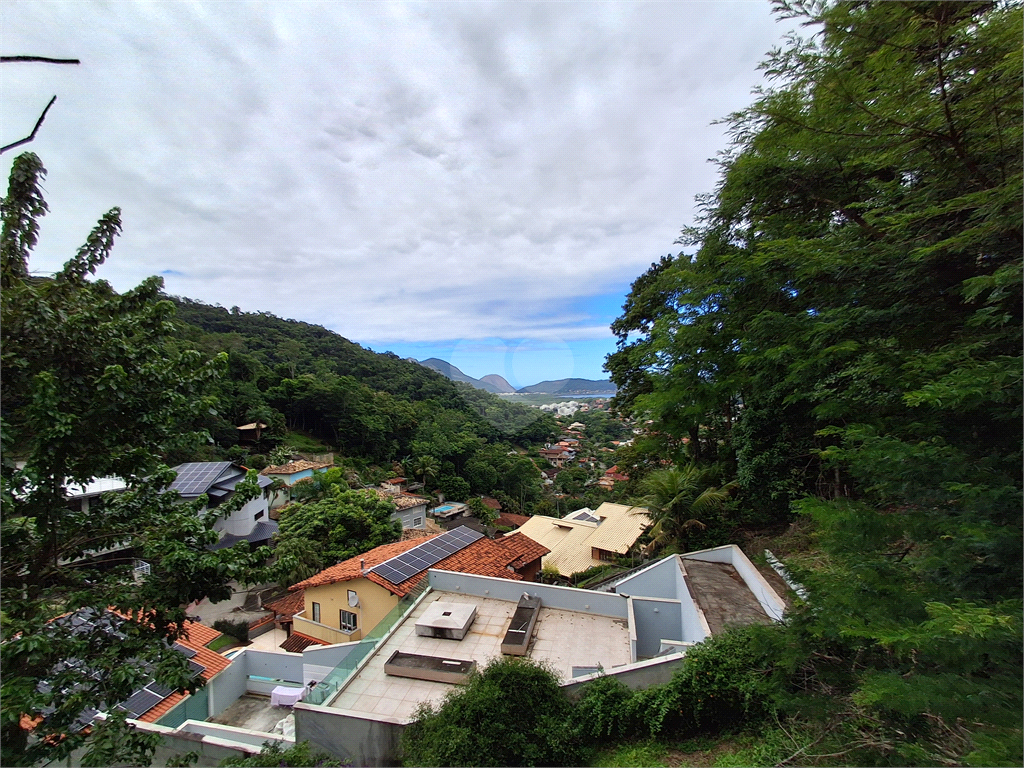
x=842 y=340
x=373 y=408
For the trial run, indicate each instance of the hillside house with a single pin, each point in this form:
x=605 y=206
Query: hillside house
x=290 y=474
x=217 y=480
x=585 y=538
x=347 y=600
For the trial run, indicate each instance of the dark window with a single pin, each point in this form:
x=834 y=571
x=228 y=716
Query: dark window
x=316 y=612
x=349 y=621
x=258 y=515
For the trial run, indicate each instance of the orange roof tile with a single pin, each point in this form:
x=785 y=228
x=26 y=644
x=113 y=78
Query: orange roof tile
x=213 y=662
x=511 y=520
x=484 y=557
x=296 y=466
x=289 y=605
x=298 y=642
x=199 y=634
x=350 y=569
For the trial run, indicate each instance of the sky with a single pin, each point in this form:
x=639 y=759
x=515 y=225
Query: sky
x=475 y=181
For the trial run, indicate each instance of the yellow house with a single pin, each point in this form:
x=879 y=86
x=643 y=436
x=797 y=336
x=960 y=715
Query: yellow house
x=585 y=538
x=347 y=600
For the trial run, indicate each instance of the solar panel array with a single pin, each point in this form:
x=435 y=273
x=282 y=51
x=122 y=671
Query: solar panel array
x=184 y=650
x=195 y=477
x=585 y=517
x=140 y=702
x=425 y=555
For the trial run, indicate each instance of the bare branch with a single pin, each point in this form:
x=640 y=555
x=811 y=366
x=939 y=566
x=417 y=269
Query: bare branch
x=35 y=130
x=44 y=59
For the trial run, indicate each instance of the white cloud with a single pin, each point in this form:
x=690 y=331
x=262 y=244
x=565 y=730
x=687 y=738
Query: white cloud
x=397 y=172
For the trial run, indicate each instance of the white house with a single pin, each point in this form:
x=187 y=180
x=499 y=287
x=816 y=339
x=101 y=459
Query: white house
x=217 y=479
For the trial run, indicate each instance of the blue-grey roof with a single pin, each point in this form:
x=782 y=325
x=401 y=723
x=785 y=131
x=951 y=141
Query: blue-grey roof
x=262 y=531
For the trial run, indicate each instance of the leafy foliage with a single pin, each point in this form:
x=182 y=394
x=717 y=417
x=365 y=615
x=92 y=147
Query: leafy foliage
x=511 y=713
x=343 y=525
x=94 y=386
x=845 y=339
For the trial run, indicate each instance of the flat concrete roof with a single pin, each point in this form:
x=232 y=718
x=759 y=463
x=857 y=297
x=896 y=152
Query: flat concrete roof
x=253 y=713
x=723 y=595
x=563 y=639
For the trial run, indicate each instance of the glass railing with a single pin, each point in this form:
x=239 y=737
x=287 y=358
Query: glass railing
x=339 y=676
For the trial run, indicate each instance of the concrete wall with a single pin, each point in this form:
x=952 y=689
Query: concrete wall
x=657 y=580
x=227 y=686
x=770 y=601
x=695 y=625
x=408 y=517
x=320 y=631
x=361 y=739
x=643 y=674
x=278 y=665
x=210 y=748
x=551 y=596
x=655 y=620
x=241 y=521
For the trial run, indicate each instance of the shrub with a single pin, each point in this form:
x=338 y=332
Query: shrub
x=237 y=629
x=511 y=713
x=272 y=756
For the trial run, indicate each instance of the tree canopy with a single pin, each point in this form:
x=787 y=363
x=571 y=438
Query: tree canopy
x=844 y=339
x=93 y=387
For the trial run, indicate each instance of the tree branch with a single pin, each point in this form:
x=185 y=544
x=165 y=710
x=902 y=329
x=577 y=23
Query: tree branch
x=44 y=59
x=35 y=130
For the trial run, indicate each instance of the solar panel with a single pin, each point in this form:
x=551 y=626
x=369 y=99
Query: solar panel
x=184 y=650
x=195 y=477
x=196 y=667
x=141 y=702
x=160 y=690
x=423 y=556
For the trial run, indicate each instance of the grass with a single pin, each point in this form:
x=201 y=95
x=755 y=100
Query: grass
x=647 y=753
x=224 y=641
x=305 y=443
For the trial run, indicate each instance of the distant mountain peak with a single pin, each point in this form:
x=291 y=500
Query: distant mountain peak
x=447 y=369
x=494 y=379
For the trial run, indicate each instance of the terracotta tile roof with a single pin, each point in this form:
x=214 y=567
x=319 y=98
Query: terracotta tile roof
x=511 y=520
x=298 y=642
x=199 y=634
x=486 y=557
x=350 y=569
x=296 y=466
x=492 y=503
x=213 y=662
x=402 y=500
x=287 y=606
x=395 y=481
x=416 y=533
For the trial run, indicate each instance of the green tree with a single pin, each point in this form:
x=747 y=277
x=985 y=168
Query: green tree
x=344 y=524
x=856 y=287
x=511 y=713
x=94 y=386
x=425 y=467
x=571 y=480
x=677 y=498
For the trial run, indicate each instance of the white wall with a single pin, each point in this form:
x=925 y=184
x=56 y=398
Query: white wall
x=242 y=521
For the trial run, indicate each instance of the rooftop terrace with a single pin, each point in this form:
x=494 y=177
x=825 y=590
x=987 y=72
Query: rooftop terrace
x=563 y=638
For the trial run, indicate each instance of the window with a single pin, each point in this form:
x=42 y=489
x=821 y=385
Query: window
x=258 y=515
x=349 y=621
x=417 y=522
x=316 y=612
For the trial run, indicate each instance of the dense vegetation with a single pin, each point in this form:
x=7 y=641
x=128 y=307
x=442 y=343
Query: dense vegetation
x=845 y=345
x=94 y=386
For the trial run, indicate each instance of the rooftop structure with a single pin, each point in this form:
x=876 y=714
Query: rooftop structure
x=461 y=621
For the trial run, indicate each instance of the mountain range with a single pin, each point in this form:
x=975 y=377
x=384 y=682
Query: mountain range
x=498 y=385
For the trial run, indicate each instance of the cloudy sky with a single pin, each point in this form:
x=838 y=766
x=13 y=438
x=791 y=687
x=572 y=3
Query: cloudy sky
x=475 y=181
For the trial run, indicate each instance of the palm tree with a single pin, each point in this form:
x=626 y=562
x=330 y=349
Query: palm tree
x=424 y=467
x=677 y=497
